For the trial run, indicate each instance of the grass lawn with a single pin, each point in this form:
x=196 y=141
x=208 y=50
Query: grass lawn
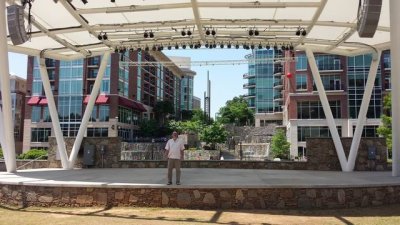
x=386 y=215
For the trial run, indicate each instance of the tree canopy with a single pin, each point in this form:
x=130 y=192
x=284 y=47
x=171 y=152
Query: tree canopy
x=386 y=128
x=213 y=133
x=162 y=109
x=279 y=145
x=236 y=111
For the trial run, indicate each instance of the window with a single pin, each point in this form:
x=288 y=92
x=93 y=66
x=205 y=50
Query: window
x=314 y=110
x=301 y=82
x=36 y=114
x=40 y=134
x=316 y=132
x=328 y=62
x=97 y=132
x=331 y=82
x=301 y=63
x=368 y=131
x=104 y=113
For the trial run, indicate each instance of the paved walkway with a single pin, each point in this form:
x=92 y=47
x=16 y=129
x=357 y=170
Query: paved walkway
x=197 y=178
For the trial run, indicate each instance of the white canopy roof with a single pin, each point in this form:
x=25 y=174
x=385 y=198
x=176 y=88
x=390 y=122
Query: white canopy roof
x=69 y=30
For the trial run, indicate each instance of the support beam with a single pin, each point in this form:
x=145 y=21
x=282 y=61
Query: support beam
x=3 y=142
x=314 y=20
x=53 y=113
x=197 y=18
x=362 y=115
x=8 y=123
x=88 y=110
x=327 y=109
x=395 y=57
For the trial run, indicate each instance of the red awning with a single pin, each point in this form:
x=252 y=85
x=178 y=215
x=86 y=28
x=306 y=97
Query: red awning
x=86 y=100
x=43 y=101
x=102 y=99
x=140 y=107
x=131 y=104
x=34 y=100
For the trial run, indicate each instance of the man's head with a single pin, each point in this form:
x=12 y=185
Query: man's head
x=174 y=135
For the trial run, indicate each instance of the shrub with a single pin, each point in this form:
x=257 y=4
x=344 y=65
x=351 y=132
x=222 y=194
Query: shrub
x=1 y=153
x=34 y=154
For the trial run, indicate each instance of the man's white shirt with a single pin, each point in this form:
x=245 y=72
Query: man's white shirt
x=174 y=148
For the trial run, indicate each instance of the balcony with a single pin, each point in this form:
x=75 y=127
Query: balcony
x=247 y=96
x=331 y=87
x=94 y=62
x=278 y=84
x=249 y=85
x=247 y=76
x=278 y=97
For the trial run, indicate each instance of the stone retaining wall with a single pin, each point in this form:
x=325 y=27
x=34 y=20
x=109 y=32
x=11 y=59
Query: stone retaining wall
x=201 y=198
x=27 y=164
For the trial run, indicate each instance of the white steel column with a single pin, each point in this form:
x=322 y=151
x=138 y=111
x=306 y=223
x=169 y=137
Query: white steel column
x=3 y=143
x=327 y=109
x=53 y=113
x=395 y=56
x=362 y=115
x=88 y=110
x=8 y=123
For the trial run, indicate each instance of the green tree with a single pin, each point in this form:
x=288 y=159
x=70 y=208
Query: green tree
x=213 y=133
x=236 y=111
x=1 y=153
x=279 y=145
x=162 y=109
x=148 y=128
x=386 y=128
x=198 y=115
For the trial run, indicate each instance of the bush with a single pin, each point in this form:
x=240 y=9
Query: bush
x=1 y=153
x=34 y=154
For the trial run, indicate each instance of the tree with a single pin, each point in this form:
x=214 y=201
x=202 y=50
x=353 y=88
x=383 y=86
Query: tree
x=279 y=145
x=214 y=133
x=148 y=128
x=1 y=153
x=236 y=111
x=162 y=109
x=386 y=128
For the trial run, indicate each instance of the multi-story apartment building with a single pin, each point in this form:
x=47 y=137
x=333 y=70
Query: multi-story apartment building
x=196 y=103
x=184 y=63
x=344 y=79
x=127 y=95
x=18 y=92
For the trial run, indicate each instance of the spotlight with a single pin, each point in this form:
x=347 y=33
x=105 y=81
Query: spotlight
x=105 y=37
x=191 y=46
x=207 y=32
x=113 y=1
x=145 y=35
x=214 y=45
x=251 y=32
x=84 y=2
x=100 y=37
x=169 y=47
x=116 y=50
x=256 y=33
x=189 y=32
x=222 y=46
x=291 y=47
x=298 y=32
x=184 y=46
x=229 y=45
x=176 y=46
x=237 y=46
x=275 y=47
x=252 y=46
x=213 y=32
x=139 y=49
x=151 y=34
x=259 y=46
x=304 y=32
x=206 y=45
x=196 y=47
x=283 y=48
x=146 y=48
x=159 y=48
x=211 y=46
x=183 y=33
x=268 y=47
x=154 y=48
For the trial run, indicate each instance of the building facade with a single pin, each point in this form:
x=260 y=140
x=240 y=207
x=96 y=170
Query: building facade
x=18 y=92
x=196 y=103
x=127 y=95
x=344 y=79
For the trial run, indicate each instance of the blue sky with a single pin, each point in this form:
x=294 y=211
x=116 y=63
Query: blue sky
x=226 y=80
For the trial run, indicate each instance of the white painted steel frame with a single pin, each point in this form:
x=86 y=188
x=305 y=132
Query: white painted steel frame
x=88 y=110
x=53 y=113
x=395 y=55
x=327 y=109
x=362 y=115
x=8 y=124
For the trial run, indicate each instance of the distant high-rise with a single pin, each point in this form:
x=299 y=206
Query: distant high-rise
x=196 y=103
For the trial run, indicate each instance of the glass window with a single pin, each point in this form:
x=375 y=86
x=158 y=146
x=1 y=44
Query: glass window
x=40 y=134
x=301 y=63
x=97 y=132
x=36 y=114
x=301 y=82
x=304 y=132
x=104 y=113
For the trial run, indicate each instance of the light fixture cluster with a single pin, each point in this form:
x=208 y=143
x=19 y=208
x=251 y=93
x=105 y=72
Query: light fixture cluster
x=210 y=32
x=209 y=45
x=102 y=36
x=301 y=31
x=184 y=33
x=148 y=34
x=254 y=32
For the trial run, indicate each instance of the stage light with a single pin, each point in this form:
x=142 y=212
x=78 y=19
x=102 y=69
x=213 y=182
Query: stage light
x=139 y=49
x=191 y=46
x=291 y=47
x=184 y=46
x=206 y=45
x=146 y=48
x=100 y=37
x=105 y=37
x=283 y=47
x=151 y=34
x=207 y=32
x=221 y=46
x=237 y=46
x=252 y=46
x=162 y=47
x=268 y=47
x=169 y=47
x=213 y=32
x=84 y=2
x=298 y=32
x=251 y=32
x=154 y=48
x=275 y=47
x=214 y=45
x=176 y=46
x=145 y=35
x=304 y=32
x=116 y=50
x=259 y=46
x=229 y=45
x=189 y=32
x=256 y=33
x=113 y=1
x=183 y=33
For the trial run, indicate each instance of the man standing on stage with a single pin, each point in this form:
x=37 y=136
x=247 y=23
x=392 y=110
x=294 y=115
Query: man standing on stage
x=174 y=150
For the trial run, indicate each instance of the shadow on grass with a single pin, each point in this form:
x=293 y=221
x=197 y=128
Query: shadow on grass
x=383 y=211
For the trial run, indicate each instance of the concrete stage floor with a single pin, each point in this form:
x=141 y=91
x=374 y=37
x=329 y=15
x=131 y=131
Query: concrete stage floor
x=197 y=178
